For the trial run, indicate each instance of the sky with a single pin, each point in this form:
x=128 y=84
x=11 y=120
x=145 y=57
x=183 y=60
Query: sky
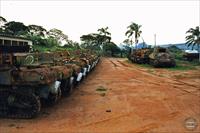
x=169 y=20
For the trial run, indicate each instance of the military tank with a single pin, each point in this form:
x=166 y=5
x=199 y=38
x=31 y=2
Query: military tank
x=27 y=78
x=161 y=57
x=86 y=59
x=157 y=57
x=140 y=56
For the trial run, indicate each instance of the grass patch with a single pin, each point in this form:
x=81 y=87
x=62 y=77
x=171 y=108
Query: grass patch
x=140 y=65
x=181 y=65
x=128 y=61
x=101 y=88
x=178 y=76
x=150 y=71
x=185 y=65
x=145 y=65
x=160 y=75
x=181 y=68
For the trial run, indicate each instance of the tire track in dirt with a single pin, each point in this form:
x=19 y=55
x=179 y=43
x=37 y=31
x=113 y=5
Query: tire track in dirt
x=114 y=64
x=178 y=82
x=137 y=102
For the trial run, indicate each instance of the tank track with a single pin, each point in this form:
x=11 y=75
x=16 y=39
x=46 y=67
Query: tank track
x=18 y=105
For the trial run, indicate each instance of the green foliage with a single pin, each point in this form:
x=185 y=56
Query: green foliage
x=42 y=39
x=37 y=40
x=111 y=49
x=45 y=48
x=180 y=66
x=178 y=53
x=193 y=37
x=16 y=28
x=36 y=30
x=104 y=31
x=58 y=35
x=2 y=19
x=52 y=42
x=94 y=41
x=133 y=30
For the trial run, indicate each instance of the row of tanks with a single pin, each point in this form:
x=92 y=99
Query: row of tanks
x=29 y=79
x=157 y=57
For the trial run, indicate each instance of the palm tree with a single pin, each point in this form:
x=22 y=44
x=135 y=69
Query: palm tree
x=127 y=41
x=104 y=37
x=2 y=23
x=193 y=38
x=134 y=30
x=104 y=31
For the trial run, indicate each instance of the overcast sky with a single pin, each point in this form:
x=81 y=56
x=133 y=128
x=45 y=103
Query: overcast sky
x=169 y=20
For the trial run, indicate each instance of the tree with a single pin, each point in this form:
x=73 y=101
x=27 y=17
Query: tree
x=2 y=23
x=104 y=31
x=16 y=28
x=94 y=40
x=2 y=19
x=111 y=48
x=36 y=30
x=72 y=45
x=58 y=35
x=127 y=41
x=193 y=38
x=133 y=30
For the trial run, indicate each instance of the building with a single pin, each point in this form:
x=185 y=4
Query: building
x=10 y=44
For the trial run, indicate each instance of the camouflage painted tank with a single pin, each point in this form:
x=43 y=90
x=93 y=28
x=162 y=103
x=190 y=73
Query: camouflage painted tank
x=140 y=56
x=161 y=57
x=28 y=78
x=26 y=81
x=89 y=57
x=157 y=57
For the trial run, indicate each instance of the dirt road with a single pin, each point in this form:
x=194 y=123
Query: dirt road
x=121 y=97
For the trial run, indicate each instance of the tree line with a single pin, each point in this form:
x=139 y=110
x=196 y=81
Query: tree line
x=56 y=39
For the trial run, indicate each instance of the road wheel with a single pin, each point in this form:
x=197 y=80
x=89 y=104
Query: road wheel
x=19 y=105
x=68 y=86
x=54 y=98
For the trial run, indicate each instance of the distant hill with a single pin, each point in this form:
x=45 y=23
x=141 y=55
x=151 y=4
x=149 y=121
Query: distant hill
x=181 y=46
x=139 y=45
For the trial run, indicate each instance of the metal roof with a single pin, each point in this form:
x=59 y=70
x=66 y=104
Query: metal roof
x=13 y=36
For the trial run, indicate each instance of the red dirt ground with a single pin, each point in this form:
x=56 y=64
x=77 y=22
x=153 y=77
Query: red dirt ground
x=135 y=99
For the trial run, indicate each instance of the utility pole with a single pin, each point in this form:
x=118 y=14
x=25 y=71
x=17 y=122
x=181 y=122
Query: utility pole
x=143 y=41
x=154 y=40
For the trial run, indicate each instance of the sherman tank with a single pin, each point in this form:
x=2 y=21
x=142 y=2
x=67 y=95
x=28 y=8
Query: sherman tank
x=90 y=57
x=157 y=57
x=85 y=59
x=161 y=57
x=140 y=56
x=27 y=78
x=63 y=58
